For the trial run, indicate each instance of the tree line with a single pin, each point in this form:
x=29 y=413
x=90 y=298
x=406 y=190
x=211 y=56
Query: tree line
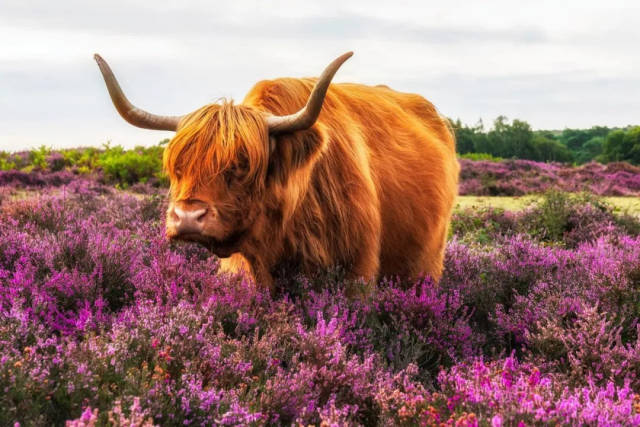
x=516 y=139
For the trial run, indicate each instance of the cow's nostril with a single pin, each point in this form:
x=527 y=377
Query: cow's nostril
x=188 y=221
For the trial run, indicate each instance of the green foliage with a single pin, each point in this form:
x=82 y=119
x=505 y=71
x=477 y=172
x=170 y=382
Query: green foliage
x=6 y=162
x=517 y=140
x=507 y=139
x=38 y=157
x=470 y=139
x=117 y=165
x=512 y=140
x=550 y=150
x=481 y=156
x=127 y=167
x=621 y=145
x=552 y=217
x=83 y=160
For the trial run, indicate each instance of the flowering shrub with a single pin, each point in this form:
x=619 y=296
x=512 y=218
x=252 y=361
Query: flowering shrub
x=506 y=392
x=518 y=177
x=559 y=218
x=103 y=321
x=481 y=175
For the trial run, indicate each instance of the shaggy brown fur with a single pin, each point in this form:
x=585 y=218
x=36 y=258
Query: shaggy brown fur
x=370 y=186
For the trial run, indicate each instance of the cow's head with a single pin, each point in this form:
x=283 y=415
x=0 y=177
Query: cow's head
x=218 y=160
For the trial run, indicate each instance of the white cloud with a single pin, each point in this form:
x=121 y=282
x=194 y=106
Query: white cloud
x=553 y=64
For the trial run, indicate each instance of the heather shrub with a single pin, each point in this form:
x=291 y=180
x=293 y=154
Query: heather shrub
x=416 y=325
x=104 y=321
x=559 y=218
x=19 y=179
x=588 y=349
x=570 y=219
x=55 y=161
x=550 y=219
x=519 y=177
x=484 y=225
x=518 y=282
x=507 y=392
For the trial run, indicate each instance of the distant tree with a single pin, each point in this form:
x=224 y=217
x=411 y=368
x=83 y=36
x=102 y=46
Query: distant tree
x=464 y=137
x=469 y=139
x=614 y=149
x=512 y=139
x=516 y=139
x=590 y=150
x=551 y=150
x=584 y=143
x=632 y=140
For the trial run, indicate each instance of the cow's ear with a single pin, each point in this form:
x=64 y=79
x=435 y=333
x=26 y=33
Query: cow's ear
x=290 y=152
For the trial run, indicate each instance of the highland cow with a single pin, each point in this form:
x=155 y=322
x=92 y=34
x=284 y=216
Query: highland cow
x=310 y=174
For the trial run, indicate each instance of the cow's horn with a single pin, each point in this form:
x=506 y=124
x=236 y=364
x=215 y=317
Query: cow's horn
x=128 y=111
x=306 y=117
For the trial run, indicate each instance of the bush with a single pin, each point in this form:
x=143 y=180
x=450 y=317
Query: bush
x=127 y=167
x=560 y=218
x=480 y=156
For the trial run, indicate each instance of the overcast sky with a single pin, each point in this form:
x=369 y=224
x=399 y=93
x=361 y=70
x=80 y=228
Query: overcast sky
x=555 y=64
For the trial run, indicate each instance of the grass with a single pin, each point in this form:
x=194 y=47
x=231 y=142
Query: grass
x=622 y=204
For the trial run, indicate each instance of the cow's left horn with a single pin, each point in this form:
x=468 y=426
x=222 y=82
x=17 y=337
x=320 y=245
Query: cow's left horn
x=307 y=116
x=128 y=111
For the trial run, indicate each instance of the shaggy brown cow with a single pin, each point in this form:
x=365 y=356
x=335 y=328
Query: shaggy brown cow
x=310 y=175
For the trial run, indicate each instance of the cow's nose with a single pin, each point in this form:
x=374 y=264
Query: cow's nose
x=187 y=222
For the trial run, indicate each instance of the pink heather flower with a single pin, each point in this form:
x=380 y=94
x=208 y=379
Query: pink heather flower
x=534 y=378
x=87 y=414
x=496 y=421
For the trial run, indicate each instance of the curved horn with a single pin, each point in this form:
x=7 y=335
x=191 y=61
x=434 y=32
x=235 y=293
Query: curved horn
x=128 y=111
x=307 y=116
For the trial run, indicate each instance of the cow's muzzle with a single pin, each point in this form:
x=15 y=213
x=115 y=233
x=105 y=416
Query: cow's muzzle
x=186 y=222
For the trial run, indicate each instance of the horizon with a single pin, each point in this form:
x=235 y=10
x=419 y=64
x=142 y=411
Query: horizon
x=553 y=67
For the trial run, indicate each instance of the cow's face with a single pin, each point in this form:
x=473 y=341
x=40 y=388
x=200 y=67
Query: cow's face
x=217 y=167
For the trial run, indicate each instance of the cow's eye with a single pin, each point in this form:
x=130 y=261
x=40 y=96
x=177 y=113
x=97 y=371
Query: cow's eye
x=236 y=171
x=230 y=175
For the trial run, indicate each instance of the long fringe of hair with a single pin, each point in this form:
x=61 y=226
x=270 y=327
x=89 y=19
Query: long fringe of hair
x=214 y=139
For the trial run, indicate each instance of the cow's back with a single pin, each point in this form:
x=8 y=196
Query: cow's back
x=392 y=147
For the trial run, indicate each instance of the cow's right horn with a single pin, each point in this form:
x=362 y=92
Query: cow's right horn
x=128 y=111
x=307 y=116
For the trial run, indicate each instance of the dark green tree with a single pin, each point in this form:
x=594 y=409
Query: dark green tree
x=551 y=150
x=590 y=150
x=614 y=149
x=512 y=139
x=632 y=140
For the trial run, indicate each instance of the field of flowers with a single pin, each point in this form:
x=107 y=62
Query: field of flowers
x=103 y=321
x=519 y=177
